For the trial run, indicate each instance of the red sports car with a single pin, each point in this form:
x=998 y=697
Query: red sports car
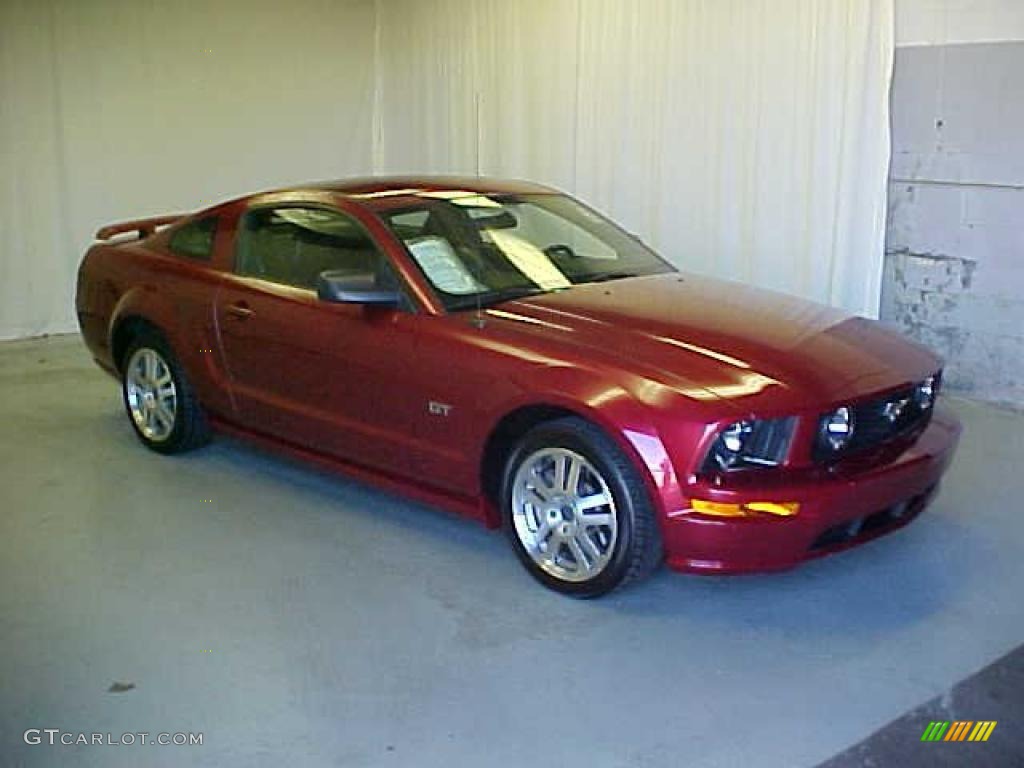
x=501 y=349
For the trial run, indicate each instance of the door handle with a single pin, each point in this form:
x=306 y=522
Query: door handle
x=239 y=310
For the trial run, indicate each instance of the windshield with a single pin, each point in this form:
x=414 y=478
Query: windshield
x=482 y=249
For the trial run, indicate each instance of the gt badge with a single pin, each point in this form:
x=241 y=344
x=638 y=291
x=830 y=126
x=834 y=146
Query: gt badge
x=438 y=409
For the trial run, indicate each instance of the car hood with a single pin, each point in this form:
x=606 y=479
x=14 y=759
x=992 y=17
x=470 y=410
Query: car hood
x=700 y=335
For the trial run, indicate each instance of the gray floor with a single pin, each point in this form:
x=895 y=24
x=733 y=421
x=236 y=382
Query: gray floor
x=994 y=695
x=296 y=618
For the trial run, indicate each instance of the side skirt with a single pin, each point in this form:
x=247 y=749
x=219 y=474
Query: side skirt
x=474 y=508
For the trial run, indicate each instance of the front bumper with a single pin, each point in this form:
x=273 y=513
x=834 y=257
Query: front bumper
x=835 y=513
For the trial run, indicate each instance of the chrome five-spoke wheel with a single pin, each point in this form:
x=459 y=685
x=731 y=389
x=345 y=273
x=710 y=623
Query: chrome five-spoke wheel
x=564 y=514
x=151 y=394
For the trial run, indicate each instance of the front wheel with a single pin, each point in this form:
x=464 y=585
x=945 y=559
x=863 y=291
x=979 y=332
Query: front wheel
x=577 y=511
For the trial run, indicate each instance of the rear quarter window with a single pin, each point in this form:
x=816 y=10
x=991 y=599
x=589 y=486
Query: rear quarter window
x=195 y=239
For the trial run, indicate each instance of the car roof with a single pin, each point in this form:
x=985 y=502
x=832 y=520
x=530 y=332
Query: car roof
x=390 y=191
x=391 y=185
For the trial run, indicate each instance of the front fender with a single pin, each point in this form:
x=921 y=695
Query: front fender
x=628 y=421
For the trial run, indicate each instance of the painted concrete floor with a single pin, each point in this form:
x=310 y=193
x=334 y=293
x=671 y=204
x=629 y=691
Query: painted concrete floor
x=976 y=708
x=297 y=618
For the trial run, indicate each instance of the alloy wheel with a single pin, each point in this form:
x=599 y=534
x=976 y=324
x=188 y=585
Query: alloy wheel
x=564 y=514
x=151 y=393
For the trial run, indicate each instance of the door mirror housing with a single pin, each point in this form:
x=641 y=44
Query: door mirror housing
x=361 y=288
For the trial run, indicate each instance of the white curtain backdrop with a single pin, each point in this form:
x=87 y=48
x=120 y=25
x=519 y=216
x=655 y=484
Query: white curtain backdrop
x=743 y=138
x=115 y=109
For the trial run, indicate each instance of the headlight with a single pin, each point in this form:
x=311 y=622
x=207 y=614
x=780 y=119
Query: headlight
x=925 y=392
x=750 y=443
x=837 y=428
x=735 y=435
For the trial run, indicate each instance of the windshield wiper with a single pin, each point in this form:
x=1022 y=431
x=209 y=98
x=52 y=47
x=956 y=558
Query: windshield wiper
x=490 y=298
x=612 y=276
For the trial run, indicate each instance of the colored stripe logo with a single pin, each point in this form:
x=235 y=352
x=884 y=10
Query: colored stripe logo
x=958 y=730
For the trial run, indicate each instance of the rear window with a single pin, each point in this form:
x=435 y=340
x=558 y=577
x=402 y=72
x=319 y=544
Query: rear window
x=195 y=239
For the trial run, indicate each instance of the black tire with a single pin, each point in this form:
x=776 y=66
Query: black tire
x=190 y=427
x=637 y=551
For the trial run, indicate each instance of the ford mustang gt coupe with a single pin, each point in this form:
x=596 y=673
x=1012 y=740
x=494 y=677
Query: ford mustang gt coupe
x=500 y=349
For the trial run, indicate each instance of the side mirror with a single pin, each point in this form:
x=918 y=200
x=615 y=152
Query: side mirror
x=348 y=288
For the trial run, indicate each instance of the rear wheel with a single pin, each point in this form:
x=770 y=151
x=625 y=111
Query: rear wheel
x=577 y=511
x=160 y=402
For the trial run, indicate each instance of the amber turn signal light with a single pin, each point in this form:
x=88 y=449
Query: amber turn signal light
x=748 y=509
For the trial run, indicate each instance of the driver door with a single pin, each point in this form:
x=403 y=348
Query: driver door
x=305 y=371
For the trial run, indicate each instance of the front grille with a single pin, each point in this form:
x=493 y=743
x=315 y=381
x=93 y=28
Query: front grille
x=876 y=423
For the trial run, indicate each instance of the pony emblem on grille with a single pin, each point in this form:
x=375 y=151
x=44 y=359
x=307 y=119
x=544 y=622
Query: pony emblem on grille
x=894 y=409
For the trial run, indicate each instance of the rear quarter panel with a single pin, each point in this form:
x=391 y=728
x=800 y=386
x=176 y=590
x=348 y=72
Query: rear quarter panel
x=136 y=279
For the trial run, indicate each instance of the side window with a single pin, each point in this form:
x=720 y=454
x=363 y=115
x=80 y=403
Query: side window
x=293 y=245
x=195 y=239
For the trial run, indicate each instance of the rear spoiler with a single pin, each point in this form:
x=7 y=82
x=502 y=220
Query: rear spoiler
x=144 y=227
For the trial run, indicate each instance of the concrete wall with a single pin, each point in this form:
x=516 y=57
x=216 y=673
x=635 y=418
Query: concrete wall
x=954 y=271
